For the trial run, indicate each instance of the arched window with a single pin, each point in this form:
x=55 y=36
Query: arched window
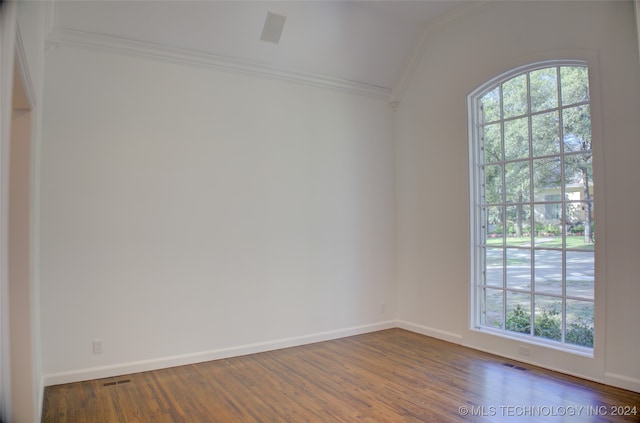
x=532 y=215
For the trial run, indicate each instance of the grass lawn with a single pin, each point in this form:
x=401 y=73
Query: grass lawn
x=573 y=242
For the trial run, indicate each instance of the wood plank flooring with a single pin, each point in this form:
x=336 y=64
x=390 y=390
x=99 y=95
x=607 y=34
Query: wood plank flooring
x=387 y=376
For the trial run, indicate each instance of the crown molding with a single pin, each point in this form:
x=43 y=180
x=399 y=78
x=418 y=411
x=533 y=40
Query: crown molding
x=421 y=42
x=92 y=41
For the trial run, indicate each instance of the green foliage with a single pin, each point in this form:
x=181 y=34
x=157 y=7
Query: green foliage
x=544 y=89
x=552 y=230
x=499 y=229
x=577 y=229
x=516 y=139
x=580 y=334
x=517 y=181
x=514 y=101
x=548 y=325
x=549 y=229
x=493 y=184
x=519 y=320
x=491 y=105
x=575 y=84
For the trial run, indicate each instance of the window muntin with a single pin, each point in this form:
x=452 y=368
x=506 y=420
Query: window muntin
x=532 y=217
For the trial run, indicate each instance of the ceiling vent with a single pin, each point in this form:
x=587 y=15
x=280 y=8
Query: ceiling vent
x=273 y=26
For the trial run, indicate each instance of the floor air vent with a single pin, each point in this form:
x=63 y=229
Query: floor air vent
x=116 y=382
x=513 y=366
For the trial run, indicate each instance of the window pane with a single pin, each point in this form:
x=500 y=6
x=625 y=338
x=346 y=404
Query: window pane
x=579 y=323
x=574 y=214
x=494 y=264
x=493 y=184
x=493 y=225
x=580 y=274
x=490 y=104
x=517 y=182
x=553 y=208
x=580 y=229
x=548 y=227
x=492 y=143
x=548 y=318
x=492 y=301
x=544 y=89
x=518 y=268
x=574 y=82
x=516 y=139
x=546 y=178
x=514 y=96
x=576 y=128
x=545 y=134
x=518 y=312
x=578 y=174
x=548 y=271
x=518 y=225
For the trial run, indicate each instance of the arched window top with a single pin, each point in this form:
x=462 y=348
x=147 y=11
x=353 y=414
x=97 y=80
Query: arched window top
x=533 y=89
x=521 y=70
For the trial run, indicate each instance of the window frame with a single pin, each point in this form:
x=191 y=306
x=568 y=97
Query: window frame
x=476 y=235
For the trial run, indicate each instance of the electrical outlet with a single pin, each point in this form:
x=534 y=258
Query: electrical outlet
x=97 y=346
x=382 y=308
x=522 y=350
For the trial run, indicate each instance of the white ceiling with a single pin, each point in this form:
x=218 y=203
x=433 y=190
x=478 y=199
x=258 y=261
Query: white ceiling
x=368 y=42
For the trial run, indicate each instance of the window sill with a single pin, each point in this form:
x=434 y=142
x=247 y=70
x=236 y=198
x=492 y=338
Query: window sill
x=540 y=342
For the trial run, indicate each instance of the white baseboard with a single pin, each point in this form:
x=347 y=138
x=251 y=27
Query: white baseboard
x=185 y=359
x=434 y=333
x=621 y=381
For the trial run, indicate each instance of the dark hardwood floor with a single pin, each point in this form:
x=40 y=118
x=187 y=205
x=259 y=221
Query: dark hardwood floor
x=387 y=376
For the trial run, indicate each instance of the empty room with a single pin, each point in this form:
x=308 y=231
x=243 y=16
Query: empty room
x=319 y=211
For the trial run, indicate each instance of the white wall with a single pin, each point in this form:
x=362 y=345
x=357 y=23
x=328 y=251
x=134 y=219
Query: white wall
x=432 y=171
x=188 y=214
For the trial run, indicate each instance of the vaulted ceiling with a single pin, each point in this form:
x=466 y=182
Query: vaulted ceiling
x=367 y=42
